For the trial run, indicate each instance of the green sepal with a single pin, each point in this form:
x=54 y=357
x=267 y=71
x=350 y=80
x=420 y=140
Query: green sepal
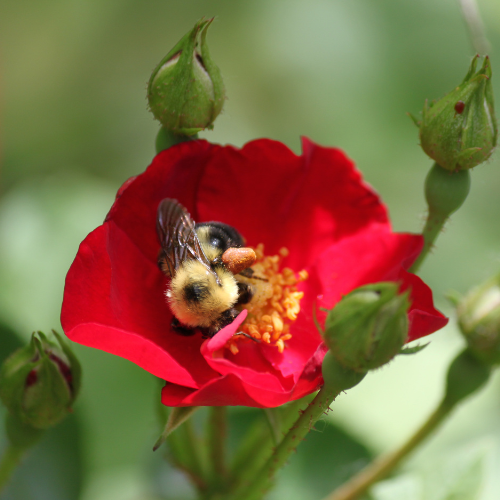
x=46 y=402
x=176 y=417
x=368 y=327
x=13 y=374
x=414 y=119
x=215 y=75
x=414 y=349
x=76 y=367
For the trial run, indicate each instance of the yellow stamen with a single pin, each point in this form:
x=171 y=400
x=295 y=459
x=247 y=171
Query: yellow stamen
x=275 y=304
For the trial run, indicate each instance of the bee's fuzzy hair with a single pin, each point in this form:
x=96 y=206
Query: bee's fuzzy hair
x=195 y=297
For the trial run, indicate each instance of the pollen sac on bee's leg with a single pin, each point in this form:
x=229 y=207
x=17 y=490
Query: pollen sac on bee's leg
x=179 y=328
x=238 y=259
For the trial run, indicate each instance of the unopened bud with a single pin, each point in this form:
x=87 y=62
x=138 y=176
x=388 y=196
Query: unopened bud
x=185 y=91
x=479 y=320
x=368 y=327
x=460 y=131
x=39 y=382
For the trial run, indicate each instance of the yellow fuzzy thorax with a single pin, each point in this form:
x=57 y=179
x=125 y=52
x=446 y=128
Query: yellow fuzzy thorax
x=275 y=304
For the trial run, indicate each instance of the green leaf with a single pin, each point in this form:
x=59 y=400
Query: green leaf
x=459 y=478
x=10 y=341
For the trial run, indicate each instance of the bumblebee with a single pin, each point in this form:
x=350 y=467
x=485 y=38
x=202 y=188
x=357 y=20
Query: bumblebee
x=202 y=261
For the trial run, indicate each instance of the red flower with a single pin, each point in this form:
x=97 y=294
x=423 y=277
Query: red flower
x=316 y=205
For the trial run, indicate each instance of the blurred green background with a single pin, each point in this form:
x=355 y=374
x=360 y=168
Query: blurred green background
x=74 y=126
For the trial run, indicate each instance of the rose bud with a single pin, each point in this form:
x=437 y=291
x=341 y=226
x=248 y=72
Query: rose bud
x=368 y=327
x=460 y=131
x=479 y=320
x=39 y=382
x=185 y=91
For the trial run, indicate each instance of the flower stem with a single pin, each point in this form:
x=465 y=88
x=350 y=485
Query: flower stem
x=445 y=192
x=466 y=375
x=185 y=451
x=9 y=461
x=261 y=481
x=379 y=468
x=433 y=227
x=166 y=139
x=258 y=444
x=217 y=430
x=475 y=26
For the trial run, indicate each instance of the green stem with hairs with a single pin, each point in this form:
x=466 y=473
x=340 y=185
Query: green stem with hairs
x=466 y=375
x=382 y=466
x=258 y=444
x=433 y=226
x=336 y=379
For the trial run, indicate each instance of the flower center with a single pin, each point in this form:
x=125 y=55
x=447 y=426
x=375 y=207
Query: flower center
x=275 y=304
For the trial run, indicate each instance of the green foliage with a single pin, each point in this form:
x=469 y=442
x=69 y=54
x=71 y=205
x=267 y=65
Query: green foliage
x=460 y=476
x=53 y=469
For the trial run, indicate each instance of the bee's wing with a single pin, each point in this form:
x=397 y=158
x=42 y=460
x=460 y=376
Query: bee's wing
x=177 y=234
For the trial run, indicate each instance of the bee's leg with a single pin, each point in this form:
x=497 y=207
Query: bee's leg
x=226 y=318
x=179 y=328
x=250 y=273
x=247 y=336
x=245 y=293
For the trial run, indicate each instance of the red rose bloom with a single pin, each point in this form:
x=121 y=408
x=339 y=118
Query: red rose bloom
x=316 y=205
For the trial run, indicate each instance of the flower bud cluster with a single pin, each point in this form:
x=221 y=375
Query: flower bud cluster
x=39 y=382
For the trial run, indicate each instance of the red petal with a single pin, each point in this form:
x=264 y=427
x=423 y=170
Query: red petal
x=228 y=390
x=272 y=196
x=105 y=308
x=315 y=204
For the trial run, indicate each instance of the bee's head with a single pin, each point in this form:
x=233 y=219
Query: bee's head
x=219 y=236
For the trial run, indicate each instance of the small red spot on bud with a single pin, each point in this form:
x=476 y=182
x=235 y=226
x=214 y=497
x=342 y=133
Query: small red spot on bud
x=459 y=107
x=31 y=378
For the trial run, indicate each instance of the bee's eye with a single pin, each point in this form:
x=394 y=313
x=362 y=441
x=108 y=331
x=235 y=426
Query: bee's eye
x=218 y=243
